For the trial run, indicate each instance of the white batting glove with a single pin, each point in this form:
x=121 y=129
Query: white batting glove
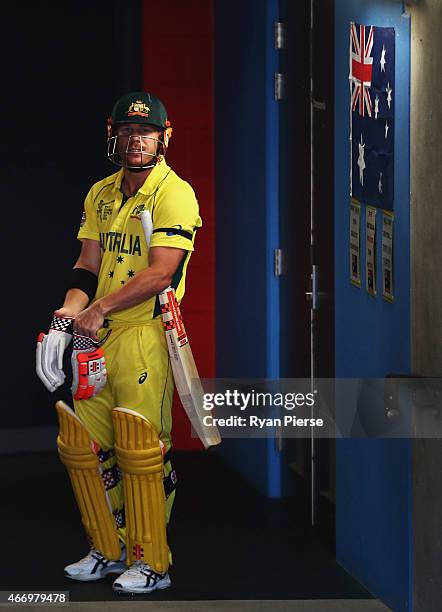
x=50 y=350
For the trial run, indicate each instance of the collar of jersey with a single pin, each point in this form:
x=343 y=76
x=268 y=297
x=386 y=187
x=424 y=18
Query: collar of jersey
x=152 y=181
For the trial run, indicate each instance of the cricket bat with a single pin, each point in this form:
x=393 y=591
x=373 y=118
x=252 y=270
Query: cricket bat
x=185 y=373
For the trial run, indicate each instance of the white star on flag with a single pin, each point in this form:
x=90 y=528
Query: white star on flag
x=389 y=92
x=387 y=127
x=361 y=161
x=383 y=60
x=380 y=183
x=376 y=107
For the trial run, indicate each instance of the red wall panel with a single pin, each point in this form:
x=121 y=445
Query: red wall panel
x=178 y=68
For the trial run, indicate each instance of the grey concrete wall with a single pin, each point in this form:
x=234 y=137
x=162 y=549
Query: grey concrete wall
x=426 y=185
x=426 y=263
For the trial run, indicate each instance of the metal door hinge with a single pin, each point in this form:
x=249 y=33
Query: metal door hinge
x=280 y=35
x=280 y=262
x=280 y=86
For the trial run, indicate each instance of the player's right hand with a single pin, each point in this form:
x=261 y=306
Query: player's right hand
x=50 y=349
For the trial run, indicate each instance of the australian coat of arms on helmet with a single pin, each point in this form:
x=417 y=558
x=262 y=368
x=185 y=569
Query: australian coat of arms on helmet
x=138 y=108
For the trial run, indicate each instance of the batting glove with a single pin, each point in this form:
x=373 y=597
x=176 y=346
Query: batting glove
x=89 y=374
x=50 y=350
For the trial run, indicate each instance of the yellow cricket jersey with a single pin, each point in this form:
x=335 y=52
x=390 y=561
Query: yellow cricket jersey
x=114 y=221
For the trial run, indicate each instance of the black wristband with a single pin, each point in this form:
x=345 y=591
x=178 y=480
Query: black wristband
x=83 y=279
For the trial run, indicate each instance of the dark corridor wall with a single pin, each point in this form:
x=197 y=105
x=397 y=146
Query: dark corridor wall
x=63 y=66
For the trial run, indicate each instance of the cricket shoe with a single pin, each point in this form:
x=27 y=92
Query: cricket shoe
x=141 y=578
x=95 y=566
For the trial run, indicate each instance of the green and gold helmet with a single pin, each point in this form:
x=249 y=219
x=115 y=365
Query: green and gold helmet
x=137 y=107
x=140 y=107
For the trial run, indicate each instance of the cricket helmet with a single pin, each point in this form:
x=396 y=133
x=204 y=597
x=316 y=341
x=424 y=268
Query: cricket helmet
x=139 y=107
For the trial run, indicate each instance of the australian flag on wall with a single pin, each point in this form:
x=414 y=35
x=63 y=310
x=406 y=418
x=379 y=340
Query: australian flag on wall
x=372 y=90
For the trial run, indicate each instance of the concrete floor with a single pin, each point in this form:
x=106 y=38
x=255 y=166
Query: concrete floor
x=304 y=574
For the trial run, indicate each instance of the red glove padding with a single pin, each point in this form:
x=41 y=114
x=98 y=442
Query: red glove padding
x=89 y=374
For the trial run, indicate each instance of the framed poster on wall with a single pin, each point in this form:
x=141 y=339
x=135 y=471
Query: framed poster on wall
x=387 y=255
x=370 y=250
x=355 y=243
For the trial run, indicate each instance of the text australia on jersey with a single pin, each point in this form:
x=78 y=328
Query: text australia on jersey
x=120 y=242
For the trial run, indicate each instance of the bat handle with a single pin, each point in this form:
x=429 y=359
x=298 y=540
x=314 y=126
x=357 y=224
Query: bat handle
x=146 y=222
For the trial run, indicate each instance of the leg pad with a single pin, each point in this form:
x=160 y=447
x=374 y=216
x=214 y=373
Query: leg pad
x=141 y=461
x=74 y=447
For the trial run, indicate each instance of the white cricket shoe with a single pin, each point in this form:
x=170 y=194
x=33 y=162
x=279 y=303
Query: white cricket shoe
x=95 y=566
x=141 y=578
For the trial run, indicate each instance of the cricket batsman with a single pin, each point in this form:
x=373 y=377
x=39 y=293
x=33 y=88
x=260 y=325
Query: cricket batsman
x=116 y=441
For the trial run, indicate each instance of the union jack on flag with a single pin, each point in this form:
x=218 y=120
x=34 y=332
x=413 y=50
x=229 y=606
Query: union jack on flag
x=361 y=68
x=372 y=96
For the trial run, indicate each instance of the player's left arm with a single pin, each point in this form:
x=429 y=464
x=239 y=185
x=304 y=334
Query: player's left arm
x=163 y=262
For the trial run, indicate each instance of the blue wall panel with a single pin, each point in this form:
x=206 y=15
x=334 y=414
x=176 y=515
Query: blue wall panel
x=240 y=154
x=246 y=157
x=373 y=338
